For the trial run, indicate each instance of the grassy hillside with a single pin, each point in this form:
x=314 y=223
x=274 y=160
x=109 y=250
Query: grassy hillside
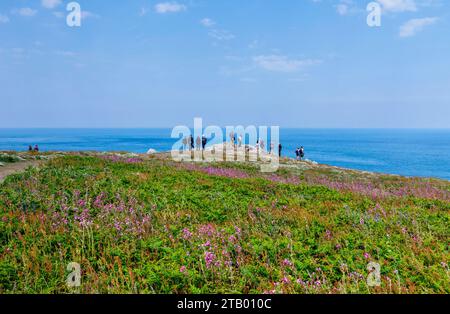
x=150 y=225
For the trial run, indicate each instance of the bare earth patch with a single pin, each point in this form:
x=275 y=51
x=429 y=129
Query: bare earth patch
x=11 y=168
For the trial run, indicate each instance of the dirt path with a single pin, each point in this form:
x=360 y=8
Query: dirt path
x=8 y=169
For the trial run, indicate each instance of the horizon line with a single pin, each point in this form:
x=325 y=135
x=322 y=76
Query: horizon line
x=281 y=127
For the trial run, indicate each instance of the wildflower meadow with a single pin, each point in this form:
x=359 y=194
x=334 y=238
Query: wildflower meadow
x=147 y=224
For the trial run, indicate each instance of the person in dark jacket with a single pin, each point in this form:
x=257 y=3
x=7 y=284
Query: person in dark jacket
x=192 y=142
x=280 y=147
x=302 y=153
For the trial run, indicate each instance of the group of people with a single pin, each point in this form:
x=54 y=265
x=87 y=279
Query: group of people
x=31 y=149
x=300 y=153
x=189 y=144
x=236 y=141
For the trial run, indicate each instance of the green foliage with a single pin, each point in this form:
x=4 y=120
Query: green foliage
x=156 y=226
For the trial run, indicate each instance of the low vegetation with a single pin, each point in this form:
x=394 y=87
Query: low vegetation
x=139 y=224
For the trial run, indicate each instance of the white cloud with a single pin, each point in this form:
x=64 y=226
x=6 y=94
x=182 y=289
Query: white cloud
x=277 y=63
x=207 y=22
x=50 y=4
x=4 y=19
x=398 y=5
x=169 y=7
x=26 y=12
x=413 y=26
x=221 y=34
x=348 y=7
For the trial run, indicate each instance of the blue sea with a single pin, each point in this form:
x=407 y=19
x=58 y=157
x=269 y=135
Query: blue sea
x=409 y=152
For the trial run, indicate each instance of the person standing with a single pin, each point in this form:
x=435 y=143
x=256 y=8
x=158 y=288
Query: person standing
x=280 y=147
x=36 y=148
x=191 y=140
x=302 y=153
x=198 y=143
x=204 y=141
x=297 y=153
x=30 y=148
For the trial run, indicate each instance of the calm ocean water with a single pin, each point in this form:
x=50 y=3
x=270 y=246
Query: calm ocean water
x=409 y=152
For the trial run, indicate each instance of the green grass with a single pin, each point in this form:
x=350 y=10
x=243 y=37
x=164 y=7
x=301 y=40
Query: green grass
x=8 y=158
x=155 y=226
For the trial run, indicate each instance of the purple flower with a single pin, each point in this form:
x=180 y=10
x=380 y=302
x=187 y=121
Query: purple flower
x=186 y=234
x=207 y=230
x=209 y=258
x=287 y=263
x=183 y=269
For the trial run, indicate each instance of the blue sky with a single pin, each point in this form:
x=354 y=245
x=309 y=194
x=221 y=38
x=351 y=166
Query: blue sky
x=302 y=63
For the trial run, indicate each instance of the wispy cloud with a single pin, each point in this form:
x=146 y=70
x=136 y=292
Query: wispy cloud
x=344 y=7
x=28 y=12
x=398 y=5
x=414 y=26
x=84 y=15
x=220 y=34
x=50 y=4
x=4 y=19
x=207 y=22
x=88 y=14
x=279 y=63
x=214 y=32
x=169 y=7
